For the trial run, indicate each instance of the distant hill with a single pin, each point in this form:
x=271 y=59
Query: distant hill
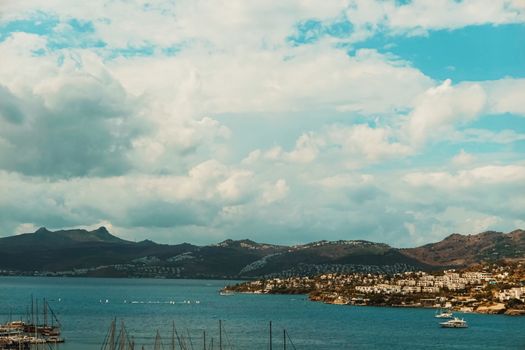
x=99 y=253
x=45 y=238
x=462 y=250
x=343 y=256
x=45 y=250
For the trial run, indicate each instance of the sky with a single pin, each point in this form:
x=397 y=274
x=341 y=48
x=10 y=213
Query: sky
x=279 y=121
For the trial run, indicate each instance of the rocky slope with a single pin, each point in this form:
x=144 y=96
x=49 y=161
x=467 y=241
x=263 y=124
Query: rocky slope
x=462 y=250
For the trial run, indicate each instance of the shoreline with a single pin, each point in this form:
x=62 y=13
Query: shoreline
x=507 y=312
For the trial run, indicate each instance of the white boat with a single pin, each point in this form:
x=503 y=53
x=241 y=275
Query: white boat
x=454 y=323
x=443 y=314
x=226 y=293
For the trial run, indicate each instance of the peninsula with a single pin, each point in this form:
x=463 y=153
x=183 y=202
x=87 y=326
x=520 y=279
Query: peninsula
x=492 y=288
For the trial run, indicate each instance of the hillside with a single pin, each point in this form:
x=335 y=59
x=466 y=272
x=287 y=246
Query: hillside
x=462 y=250
x=44 y=250
x=337 y=256
x=99 y=253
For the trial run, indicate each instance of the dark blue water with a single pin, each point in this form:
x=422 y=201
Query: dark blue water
x=148 y=305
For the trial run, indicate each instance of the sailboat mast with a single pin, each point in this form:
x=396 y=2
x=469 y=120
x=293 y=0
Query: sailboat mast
x=270 y=335
x=204 y=339
x=220 y=334
x=122 y=337
x=45 y=312
x=32 y=310
x=112 y=335
x=173 y=337
x=284 y=339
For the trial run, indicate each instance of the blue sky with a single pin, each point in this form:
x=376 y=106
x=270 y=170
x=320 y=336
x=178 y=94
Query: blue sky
x=288 y=122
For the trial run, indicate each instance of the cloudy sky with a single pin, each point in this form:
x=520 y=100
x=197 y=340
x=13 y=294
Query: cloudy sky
x=279 y=121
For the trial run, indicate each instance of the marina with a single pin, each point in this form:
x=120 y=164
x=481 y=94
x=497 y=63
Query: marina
x=34 y=332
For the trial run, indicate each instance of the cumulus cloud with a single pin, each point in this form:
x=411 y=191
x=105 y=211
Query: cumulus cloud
x=462 y=158
x=72 y=122
x=280 y=80
x=467 y=201
x=485 y=175
x=419 y=16
x=134 y=126
x=506 y=96
x=352 y=146
x=275 y=192
x=440 y=107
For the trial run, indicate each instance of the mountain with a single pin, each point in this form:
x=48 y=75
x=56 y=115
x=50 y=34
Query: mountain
x=462 y=250
x=334 y=256
x=99 y=253
x=45 y=238
x=44 y=250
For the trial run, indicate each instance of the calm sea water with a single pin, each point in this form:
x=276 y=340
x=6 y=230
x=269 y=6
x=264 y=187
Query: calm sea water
x=86 y=307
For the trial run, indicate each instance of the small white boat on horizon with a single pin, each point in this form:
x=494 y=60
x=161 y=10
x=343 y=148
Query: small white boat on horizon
x=443 y=314
x=454 y=323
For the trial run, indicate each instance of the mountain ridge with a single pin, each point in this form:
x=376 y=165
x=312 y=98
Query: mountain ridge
x=460 y=250
x=99 y=253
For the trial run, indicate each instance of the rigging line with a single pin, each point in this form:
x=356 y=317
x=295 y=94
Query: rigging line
x=189 y=337
x=228 y=339
x=130 y=341
x=291 y=342
x=54 y=315
x=182 y=344
x=106 y=339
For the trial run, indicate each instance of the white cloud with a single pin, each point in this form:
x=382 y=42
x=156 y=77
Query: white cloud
x=484 y=175
x=160 y=119
x=69 y=118
x=506 y=96
x=236 y=186
x=444 y=14
x=275 y=192
x=292 y=79
x=463 y=158
x=487 y=136
x=350 y=146
x=420 y=16
x=342 y=181
x=439 y=108
x=363 y=141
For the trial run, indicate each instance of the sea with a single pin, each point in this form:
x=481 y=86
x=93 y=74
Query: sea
x=86 y=307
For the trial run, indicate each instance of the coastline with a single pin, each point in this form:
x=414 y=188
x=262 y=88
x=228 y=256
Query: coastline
x=485 y=289
x=484 y=310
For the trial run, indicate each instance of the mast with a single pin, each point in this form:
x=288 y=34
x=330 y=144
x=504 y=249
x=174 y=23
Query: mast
x=173 y=337
x=122 y=337
x=32 y=310
x=45 y=312
x=36 y=313
x=220 y=334
x=112 y=335
x=189 y=338
x=204 y=339
x=157 y=341
x=270 y=335
x=35 y=325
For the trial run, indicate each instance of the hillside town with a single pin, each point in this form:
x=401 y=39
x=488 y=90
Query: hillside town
x=488 y=288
